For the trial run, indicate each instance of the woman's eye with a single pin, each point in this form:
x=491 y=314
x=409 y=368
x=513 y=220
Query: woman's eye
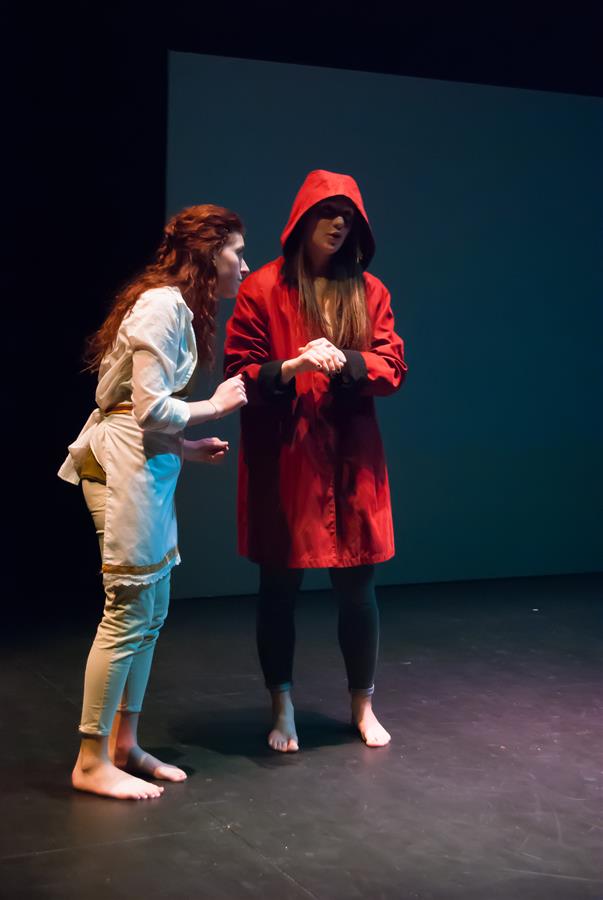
x=331 y=212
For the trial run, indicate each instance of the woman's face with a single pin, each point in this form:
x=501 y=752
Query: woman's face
x=329 y=223
x=231 y=268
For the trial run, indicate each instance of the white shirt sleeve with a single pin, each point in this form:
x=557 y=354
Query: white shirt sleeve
x=154 y=332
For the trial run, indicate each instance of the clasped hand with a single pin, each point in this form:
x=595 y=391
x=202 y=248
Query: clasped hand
x=319 y=355
x=229 y=396
x=207 y=450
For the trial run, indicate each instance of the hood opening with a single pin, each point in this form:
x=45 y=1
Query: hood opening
x=318 y=186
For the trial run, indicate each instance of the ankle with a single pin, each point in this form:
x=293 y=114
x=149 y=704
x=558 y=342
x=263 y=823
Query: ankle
x=281 y=702
x=125 y=730
x=125 y=742
x=93 y=753
x=361 y=703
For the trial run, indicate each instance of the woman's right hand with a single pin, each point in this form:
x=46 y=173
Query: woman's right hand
x=229 y=396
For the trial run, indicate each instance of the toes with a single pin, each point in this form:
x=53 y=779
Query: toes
x=282 y=744
x=169 y=773
x=376 y=738
x=132 y=792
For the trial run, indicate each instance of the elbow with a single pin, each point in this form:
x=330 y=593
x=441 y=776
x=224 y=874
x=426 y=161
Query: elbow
x=145 y=420
x=148 y=417
x=168 y=416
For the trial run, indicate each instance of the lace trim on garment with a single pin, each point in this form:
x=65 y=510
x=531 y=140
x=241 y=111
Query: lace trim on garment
x=111 y=581
x=111 y=569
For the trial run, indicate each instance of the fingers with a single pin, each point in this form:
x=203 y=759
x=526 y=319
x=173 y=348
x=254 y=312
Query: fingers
x=319 y=360
x=215 y=445
x=233 y=393
x=323 y=360
x=317 y=342
x=332 y=359
x=322 y=342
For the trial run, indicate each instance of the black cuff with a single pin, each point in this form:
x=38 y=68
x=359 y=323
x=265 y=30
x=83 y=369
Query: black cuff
x=270 y=384
x=353 y=374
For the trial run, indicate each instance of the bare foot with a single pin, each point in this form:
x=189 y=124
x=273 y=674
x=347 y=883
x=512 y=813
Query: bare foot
x=109 y=781
x=283 y=736
x=364 y=719
x=138 y=761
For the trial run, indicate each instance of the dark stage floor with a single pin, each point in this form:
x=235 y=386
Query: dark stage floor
x=490 y=790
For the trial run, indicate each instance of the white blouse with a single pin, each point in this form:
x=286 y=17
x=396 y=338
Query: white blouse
x=153 y=357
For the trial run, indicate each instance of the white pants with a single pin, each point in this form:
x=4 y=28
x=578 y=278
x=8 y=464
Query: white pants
x=120 y=658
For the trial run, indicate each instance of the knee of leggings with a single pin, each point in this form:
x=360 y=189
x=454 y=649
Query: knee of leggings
x=355 y=576
x=155 y=625
x=280 y=581
x=358 y=602
x=354 y=585
x=151 y=635
x=275 y=604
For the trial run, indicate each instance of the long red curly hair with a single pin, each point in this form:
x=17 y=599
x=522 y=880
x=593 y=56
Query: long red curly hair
x=184 y=259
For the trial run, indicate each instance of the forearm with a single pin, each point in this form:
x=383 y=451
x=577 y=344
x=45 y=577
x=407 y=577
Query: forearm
x=202 y=411
x=370 y=373
x=187 y=450
x=384 y=374
x=288 y=371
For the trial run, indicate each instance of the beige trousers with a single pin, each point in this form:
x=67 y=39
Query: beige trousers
x=119 y=662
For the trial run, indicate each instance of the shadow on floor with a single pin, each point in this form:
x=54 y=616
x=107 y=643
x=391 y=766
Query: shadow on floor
x=242 y=732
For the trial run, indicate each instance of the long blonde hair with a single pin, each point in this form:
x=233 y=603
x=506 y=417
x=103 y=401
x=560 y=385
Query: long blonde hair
x=349 y=327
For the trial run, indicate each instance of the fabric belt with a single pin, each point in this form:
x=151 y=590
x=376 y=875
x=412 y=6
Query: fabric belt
x=120 y=409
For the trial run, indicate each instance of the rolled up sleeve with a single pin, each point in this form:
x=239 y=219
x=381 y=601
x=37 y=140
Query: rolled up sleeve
x=153 y=330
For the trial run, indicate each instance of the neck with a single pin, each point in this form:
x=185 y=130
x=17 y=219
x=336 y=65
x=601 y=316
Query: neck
x=319 y=262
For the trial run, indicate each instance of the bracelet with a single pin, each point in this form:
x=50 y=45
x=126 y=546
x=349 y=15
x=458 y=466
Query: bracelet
x=215 y=408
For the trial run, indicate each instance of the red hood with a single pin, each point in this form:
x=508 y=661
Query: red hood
x=321 y=184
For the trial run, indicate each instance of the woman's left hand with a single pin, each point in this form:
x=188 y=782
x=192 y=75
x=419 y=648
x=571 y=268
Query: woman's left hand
x=207 y=450
x=335 y=359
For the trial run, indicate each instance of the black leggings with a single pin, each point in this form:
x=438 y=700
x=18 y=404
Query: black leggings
x=358 y=627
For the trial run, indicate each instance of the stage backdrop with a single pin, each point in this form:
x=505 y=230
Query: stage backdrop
x=486 y=204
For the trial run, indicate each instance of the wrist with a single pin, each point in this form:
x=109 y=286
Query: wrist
x=288 y=371
x=215 y=412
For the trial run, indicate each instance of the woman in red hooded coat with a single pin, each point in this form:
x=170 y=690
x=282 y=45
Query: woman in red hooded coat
x=313 y=334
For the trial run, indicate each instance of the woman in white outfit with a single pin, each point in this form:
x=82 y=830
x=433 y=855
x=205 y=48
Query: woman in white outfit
x=128 y=457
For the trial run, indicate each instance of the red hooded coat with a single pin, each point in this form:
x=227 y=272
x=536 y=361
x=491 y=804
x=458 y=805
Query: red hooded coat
x=313 y=486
